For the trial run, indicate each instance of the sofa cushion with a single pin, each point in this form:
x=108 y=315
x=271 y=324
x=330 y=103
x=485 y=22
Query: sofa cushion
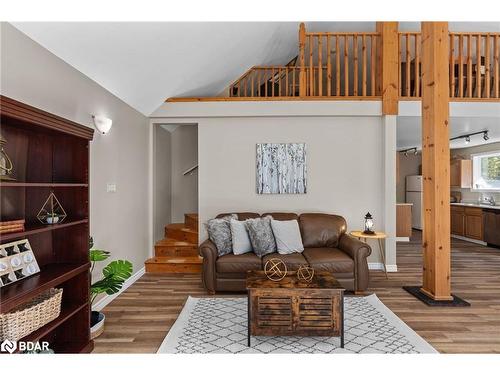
x=321 y=230
x=282 y=215
x=287 y=236
x=231 y=263
x=239 y=236
x=261 y=235
x=292 y=261
x=219 y=232
x=329 y=259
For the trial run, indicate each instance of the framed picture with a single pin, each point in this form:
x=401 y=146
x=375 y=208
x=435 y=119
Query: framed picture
x=281 y=168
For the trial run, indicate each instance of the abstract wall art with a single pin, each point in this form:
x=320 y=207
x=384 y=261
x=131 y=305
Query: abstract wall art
x=281 y=168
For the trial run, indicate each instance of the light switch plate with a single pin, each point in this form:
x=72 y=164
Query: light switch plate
x=111 y=188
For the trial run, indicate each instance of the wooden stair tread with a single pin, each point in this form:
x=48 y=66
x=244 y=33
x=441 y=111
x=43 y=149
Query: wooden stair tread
x=174 y=242
x=185 y=259
x=182 y=227
x=192 y=216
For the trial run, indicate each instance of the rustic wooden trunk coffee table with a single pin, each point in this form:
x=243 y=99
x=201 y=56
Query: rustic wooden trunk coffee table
x=291 y=307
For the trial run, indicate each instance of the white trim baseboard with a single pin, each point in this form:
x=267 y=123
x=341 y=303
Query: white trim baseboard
x=469 y=240
x=402 y=239
x=380 y=267
x=103 y=302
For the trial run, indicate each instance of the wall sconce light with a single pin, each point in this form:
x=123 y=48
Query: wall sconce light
x=102 y=124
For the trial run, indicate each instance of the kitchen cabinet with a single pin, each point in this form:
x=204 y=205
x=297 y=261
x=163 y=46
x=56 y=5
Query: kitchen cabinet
x=491 y=219
x=403 y=220
x=474 y=223
x=458 y=220
x=467 y=222
x=461 y=173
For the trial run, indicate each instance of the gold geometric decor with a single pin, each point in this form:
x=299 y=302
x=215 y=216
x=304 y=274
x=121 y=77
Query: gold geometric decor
x=305 y=273
x=275 y=269
x=52 y=211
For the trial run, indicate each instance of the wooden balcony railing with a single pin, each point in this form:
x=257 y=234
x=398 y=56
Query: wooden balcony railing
x=474 y=65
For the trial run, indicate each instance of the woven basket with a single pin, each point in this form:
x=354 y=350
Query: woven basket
x=29 y=317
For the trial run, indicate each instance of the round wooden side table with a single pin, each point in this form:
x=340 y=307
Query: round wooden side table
x=378 y=236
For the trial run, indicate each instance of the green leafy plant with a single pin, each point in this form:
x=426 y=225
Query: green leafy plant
x=113 y=275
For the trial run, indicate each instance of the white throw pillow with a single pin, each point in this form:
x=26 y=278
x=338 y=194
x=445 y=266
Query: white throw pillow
x=287 y=235
x=239 y=235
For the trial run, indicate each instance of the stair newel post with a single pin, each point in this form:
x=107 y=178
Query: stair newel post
x=302 y=60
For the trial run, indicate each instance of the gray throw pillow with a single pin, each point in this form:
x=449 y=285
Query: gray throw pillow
x=261 y=235
x=287 y=235
x=219 y=232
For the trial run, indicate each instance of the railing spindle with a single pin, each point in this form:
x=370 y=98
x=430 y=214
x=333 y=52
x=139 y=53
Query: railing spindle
x=328 y=67
x=496 y=61
x=311 y=70
x=337 y=66
x=487 y=66
x=346 y=66
x=452 y=66
x=355 y=57
x=469 y=66
x=400 y=65
x=373 y=52
x=478 y=64
x=320 y=66
x=408 y=66
x=461 y=66
x=363 y=74
x=417 y=65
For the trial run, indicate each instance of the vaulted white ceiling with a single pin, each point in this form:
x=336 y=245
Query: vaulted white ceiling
x=143 y=63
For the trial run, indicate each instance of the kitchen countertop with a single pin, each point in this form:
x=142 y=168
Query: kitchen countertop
x=477 y=205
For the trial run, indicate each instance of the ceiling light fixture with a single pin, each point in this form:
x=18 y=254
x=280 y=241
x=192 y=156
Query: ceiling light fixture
x=485 y=135
x=102 y=124
x=467 y=140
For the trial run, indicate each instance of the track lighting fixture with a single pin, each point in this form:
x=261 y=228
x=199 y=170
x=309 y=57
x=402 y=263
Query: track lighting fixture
x=406 y=151
x=466 y=137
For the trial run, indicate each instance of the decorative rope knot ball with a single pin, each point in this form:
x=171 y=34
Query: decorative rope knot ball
x=305 y=273
x=275 y=269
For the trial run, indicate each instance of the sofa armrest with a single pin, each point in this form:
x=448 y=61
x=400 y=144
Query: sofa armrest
x=208 y=251
x=358 y=251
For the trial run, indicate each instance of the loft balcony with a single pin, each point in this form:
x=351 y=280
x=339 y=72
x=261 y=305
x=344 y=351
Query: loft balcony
x=340 y=66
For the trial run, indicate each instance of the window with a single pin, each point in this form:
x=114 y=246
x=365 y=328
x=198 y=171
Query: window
x=486 y=171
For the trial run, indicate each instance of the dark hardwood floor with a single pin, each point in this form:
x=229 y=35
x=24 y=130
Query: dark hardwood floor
x=138 y=320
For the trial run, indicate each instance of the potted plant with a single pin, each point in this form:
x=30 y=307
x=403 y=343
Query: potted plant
x=113 y=277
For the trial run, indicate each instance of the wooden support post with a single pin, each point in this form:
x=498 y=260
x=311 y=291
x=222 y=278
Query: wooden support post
x=388 y=66
x=302 y=60
x=436 y=161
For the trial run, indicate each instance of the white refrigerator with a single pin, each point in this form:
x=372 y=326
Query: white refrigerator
x=414 y=192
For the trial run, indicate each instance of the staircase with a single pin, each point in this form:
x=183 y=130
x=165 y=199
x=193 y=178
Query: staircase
x=178 y=251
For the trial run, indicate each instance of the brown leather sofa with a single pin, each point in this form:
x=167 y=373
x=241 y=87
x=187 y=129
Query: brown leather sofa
x=327 y=247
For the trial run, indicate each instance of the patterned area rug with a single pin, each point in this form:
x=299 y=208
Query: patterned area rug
x=219 y=325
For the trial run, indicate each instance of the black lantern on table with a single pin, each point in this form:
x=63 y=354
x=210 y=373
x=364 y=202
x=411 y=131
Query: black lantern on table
x=368 y=224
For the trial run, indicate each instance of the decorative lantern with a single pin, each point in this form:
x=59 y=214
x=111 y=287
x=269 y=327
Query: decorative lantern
x=6 y=166
x=368 y=224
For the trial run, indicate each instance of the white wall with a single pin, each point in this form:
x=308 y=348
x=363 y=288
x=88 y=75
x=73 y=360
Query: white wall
x=118 y=221
x=344 y=162
x=184 y=156
x=162 y=181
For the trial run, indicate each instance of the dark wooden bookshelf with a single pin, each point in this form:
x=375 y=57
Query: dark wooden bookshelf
x=50 y=154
